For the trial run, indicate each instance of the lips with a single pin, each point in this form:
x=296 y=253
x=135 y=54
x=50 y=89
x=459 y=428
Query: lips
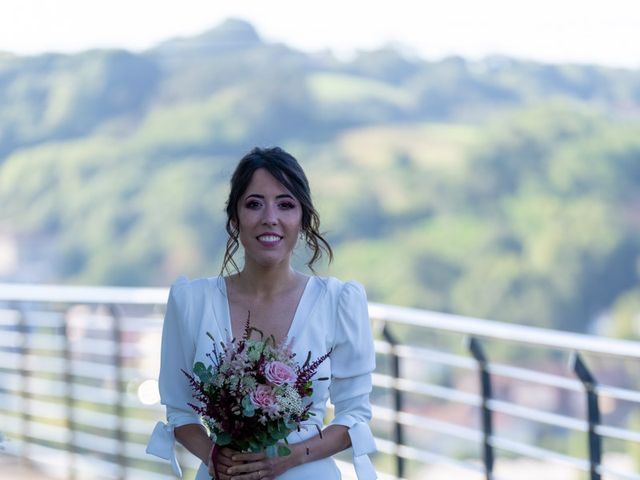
x=269 y=238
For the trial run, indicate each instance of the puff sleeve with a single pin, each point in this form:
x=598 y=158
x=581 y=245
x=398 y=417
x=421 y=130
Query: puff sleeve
x=177 y=354
x=352 y=362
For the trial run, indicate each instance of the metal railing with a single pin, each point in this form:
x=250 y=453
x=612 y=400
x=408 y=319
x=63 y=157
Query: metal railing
x=559 y=363
x=77 y=391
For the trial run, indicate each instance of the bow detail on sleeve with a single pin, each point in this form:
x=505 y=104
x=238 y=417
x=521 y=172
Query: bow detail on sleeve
x=162 y=444
x=362 y=444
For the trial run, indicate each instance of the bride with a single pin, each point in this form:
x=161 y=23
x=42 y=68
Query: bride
x=268 y=210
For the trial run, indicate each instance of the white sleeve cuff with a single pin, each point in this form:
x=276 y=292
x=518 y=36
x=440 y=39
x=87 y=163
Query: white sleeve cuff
x=162 y=444
x=362 y=444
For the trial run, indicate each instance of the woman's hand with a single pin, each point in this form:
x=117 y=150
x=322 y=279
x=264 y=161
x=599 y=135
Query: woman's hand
x=253 y=466
x=223 y=462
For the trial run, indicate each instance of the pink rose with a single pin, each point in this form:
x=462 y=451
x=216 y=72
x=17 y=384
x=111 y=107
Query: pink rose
x=279 y=373
x=262 y=397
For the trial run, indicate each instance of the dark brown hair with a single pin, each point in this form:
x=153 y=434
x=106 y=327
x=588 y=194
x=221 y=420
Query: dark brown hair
x=286 y=170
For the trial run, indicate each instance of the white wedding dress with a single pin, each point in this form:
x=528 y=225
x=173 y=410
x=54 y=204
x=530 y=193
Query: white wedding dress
x=330 y=315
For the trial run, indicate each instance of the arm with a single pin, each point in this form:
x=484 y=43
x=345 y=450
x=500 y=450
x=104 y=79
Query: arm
x=177 y=354
x=195 y=439
x=352 y=362
x=335 y=438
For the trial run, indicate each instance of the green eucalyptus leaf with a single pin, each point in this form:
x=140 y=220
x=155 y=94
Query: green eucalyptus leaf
x=223 y=438
x=199 y=368
x=254 y=446
x=283 y=451
x=205 y=374
x=291 y=425
x=248 y=409
x=271 y=451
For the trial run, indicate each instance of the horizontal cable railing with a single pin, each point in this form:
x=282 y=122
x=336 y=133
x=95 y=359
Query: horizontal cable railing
x=78 y=392
x=574 y=345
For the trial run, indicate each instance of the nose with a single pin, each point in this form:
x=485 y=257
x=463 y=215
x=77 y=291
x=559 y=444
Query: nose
x=269 y=216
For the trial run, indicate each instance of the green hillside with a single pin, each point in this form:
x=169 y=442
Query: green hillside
x=499 y=188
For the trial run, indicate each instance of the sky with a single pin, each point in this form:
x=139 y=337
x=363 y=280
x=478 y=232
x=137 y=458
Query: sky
x=605 y=32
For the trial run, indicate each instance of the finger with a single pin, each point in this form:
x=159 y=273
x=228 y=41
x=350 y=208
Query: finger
x=219 y=472
x=248 y=470
x=217 y=475
x=227 y=452
x=222 y=460
x=257 y=475
x=248 y=457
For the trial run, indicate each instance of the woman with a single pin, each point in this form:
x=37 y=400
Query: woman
x=269 y=208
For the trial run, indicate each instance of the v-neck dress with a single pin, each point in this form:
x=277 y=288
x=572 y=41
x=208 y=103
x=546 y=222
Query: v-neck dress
x=330 y=315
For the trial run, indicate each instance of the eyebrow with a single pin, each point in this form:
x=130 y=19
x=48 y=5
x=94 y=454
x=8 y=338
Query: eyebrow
x=283 y=195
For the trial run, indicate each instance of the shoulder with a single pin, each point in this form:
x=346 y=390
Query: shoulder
x=342 y=292
x=350 y=313
x=337 y=286
x=189 y=301
x=185 y=293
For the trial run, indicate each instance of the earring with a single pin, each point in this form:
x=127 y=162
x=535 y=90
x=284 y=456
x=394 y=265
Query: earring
x=302 y=234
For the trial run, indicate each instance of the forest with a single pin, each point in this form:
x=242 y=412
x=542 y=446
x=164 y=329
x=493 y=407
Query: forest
x=499 y=188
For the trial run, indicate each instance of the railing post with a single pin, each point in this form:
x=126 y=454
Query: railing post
x=398 y=433
x=119 y=383
x=25 y=375
x=487 y=418
x=593 y=413
x=69 y=399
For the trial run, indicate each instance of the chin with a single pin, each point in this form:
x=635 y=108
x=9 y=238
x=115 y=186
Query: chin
x=267 y=261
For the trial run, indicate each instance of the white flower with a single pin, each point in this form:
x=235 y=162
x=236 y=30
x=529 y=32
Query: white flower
x=289 y=401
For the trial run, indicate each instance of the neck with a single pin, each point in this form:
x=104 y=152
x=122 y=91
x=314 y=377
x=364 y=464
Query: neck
x=262 y=281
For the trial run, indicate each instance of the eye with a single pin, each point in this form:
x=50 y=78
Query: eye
x=287 y=205
x=253 y=204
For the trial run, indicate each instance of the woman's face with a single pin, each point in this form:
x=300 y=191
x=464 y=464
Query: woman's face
x=269 y=220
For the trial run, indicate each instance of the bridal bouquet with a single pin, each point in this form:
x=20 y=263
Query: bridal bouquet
x=253 y=393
